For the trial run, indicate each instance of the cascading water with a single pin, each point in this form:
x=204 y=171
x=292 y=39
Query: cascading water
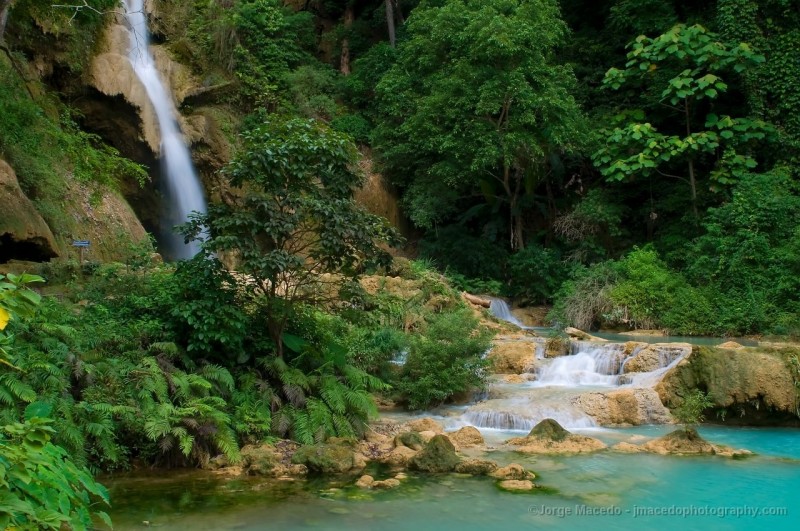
x=183 y=191
x=500 y=309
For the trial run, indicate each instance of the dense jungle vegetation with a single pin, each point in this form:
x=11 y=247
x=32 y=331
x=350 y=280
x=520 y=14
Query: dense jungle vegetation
x=631 y=162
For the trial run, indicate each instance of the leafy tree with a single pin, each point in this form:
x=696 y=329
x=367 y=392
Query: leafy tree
x=687 y=64
x=476 y=106
x=296 y=232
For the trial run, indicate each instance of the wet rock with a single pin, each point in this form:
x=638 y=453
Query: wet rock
x=628 y=448
x=656 y=356
x=439 y=455
x=390 y=483
x=260 y=460
x=476 y=467
x=624 y=407
x=333 y=457
x=365 y=482
x=516 y=485
x=556 y=346
x=426 y=424
x=466 y=437
x=548 y=437
x=514 y=379
x=427 y=435
x=512 y=471
x=680 y=442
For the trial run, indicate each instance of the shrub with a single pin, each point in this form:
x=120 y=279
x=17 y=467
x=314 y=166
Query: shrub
x=444 y=360
x=690 y=411
x=536 y=274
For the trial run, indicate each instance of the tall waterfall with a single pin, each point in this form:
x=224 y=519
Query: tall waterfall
x=184 y=193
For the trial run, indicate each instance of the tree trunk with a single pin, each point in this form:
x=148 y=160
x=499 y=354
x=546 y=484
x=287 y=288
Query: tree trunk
x=692 y=180
x=5 y=6
x=344 y=62
x=390 y=21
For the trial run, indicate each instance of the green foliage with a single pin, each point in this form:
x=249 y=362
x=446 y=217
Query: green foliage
x=687 y=65
x=537 y=274
x=476 y=105
x=456 y=249
x=690 y=411
x=445 y=360
x=297 y=221
x=42 y=487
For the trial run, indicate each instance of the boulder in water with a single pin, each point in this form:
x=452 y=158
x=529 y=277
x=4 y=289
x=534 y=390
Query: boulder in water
x=516 y=485
x=399 y=457
x=730 y=345
x=513 y=471
x=549 y=437
x=466 y=437
x=410 y=439
x=583 y=336
x=513 y=356
x=439 y=455
x=333 y=457
x=688 y=442
x=476 y=467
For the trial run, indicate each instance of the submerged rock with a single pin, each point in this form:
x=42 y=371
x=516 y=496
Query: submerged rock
x=549 y=437
x=476 y=467
x=685 y=442
x=390 y=483
x=513 y=471
x=516 y=485
x=439 y=455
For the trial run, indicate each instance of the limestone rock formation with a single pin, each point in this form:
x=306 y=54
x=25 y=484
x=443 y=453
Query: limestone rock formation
x=425 y=424
x=24 y=235
x=516 y=485
x=512 y=471
x=656 y=356
x=747 y=386
x=624 y=407
x=548 y=437
x=583 y=336
x=513 y=356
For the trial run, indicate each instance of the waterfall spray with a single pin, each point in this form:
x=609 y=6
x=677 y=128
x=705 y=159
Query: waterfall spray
x=183 y=191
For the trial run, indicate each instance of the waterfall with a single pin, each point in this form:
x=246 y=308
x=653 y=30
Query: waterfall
x=184 y=193
x=500 y=309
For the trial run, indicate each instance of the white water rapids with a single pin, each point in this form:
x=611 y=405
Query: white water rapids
x=183 y=191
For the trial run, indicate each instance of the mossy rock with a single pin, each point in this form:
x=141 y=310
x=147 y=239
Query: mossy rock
x=410 y=439
x=334 y=457
x=439 y=455
x=550 y=430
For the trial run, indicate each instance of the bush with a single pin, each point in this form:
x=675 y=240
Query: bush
x=537 y=274
x=455 y=248
x=690 y=412
x=444 y=360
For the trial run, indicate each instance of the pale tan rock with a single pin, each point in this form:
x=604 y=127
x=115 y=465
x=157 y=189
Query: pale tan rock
x=583 y=336
x=476 y=467
x=425 y=424
x=627 y=448
x=466 y=437
x=399 y=457
x=656 y=356
x=390 y=483
x=730 y=345
x=624 y=407
x=512 y=357
x=427 y=435
x=364 y=482
x=514 y=378
x=19 y=219
x=512 y=471
x=548 y=437
x=516 y=485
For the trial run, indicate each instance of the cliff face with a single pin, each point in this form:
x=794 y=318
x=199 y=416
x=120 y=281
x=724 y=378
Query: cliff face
x=748 y=386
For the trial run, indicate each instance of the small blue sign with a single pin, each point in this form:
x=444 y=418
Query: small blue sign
x=80 y=243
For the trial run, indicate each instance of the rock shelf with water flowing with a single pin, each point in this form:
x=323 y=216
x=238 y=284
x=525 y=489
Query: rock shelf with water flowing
x=183 y=191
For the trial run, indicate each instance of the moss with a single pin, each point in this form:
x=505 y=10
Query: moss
x=549 y=429
x=410 y=439
x=334 y=457
x=439 y=455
